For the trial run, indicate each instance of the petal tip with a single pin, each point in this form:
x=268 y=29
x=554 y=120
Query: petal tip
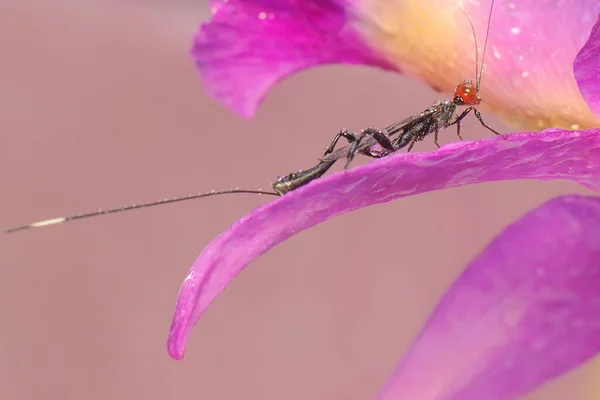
x=175 y=345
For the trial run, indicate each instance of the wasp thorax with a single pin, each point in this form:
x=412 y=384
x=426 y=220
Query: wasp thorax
x=467 y=92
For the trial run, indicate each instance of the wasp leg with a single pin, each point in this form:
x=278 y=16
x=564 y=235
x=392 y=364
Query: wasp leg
x=460 y=118
x=374 y=153
x=297 y=179
x=480 y=118
x=349 y=136
x=381 y=139
x=435 y=138
x=412 y=143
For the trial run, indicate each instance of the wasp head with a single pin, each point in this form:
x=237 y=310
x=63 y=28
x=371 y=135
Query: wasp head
x=466 y=94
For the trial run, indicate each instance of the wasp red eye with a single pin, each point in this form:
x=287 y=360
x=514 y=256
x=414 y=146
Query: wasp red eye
x=468 y=93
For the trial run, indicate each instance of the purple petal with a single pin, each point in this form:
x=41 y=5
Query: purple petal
x=528 y=78
x=555 y=154
x=529 y=68
x=250 y=45
x=587 y=70
x=525 y=311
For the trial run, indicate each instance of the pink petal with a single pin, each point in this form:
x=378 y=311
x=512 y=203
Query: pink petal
x=554 y=154
x=248 y=46
x=587 y=70
x=528 y=78
x=525 y=311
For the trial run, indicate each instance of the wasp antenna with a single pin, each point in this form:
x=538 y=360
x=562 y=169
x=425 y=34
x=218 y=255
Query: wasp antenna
x=487 y=34
x=476 y=50
x=60 y=220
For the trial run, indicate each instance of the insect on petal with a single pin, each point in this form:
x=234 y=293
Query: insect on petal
x=550 y=155
x=525 y=311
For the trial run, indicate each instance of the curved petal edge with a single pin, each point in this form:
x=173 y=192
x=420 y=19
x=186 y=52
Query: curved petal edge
x=248 y=46
x=549 y=155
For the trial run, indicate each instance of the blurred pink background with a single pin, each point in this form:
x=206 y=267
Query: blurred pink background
x=101 y=107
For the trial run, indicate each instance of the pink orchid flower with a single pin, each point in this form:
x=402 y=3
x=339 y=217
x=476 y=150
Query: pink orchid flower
x=527 y=309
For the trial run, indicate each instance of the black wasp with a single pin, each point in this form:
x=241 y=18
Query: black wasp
x=374 y=143
x=378 y=143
